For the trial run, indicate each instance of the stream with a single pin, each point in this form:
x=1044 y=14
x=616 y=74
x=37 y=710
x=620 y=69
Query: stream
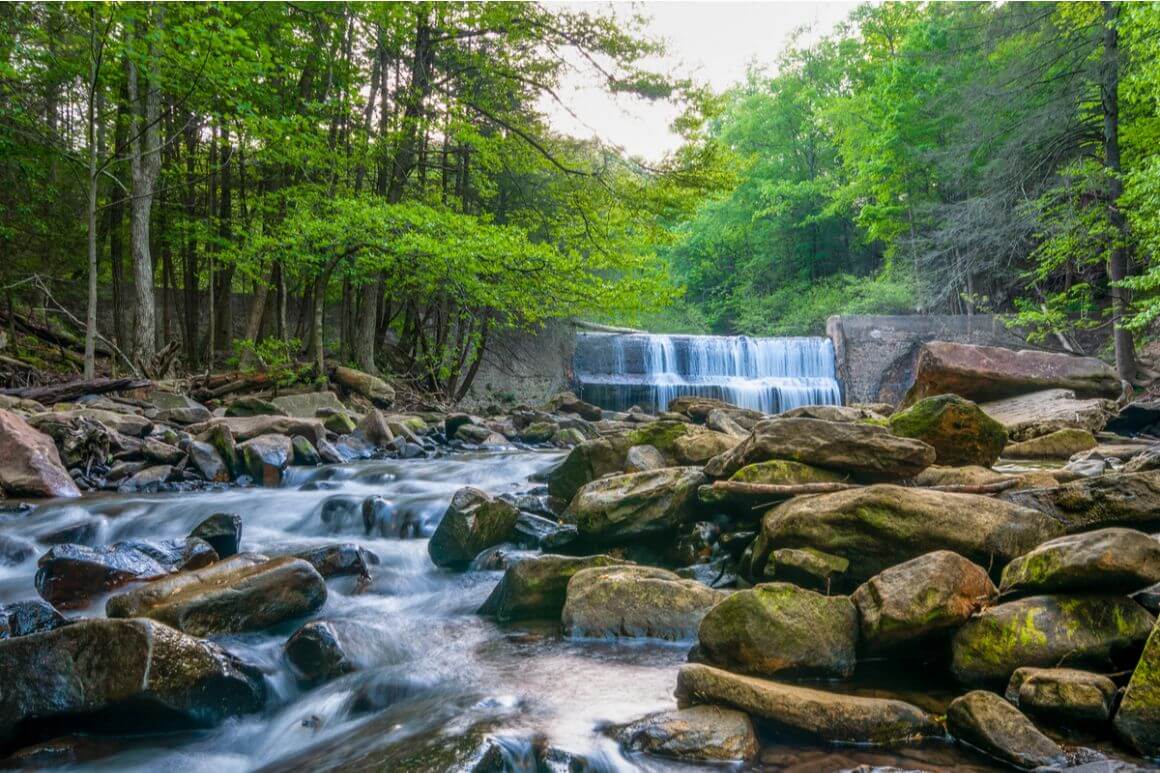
x=435 y=676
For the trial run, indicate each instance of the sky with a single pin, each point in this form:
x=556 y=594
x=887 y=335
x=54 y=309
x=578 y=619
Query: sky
x=712 y=42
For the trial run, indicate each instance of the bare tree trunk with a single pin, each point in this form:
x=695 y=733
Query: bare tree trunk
x=145 y=162
x=1118 y=255
x=94 y=108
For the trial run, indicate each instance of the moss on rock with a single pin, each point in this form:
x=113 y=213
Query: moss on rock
x=958 y=429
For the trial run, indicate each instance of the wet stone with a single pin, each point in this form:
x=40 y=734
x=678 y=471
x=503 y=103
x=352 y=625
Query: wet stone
x=22 y=618
x=223 y=532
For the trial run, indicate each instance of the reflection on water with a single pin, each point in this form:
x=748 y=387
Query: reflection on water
x=437 y=683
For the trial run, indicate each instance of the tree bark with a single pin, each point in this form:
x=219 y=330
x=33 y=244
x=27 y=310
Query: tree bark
x=94 y=109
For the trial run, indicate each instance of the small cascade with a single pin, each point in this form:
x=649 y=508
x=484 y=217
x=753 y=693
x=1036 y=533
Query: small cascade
x=771 y=375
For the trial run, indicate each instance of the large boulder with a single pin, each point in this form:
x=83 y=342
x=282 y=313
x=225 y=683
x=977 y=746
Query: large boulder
x=643 y=458
x=369 y=386
x=1048 y=631
x=777 y=628
x=782 y=472
x=536 y=587
x=246 y=592
x=695 y=734
x=308 y=404
x=125 y=423
x=472 y=522
x=639 y=504
x=69 y=576
x=700 y=447
x=1111 y=560
x=1061 y=444
x=932 y=594
x=635 y=601
x=135 y=674
x=879 y=526
x=865 y=451
x=987 y=722
x=826 y=716
x=29 y=463
x=266 y=457
x=586 y=462
x=1124 y=499
x=982 y=373
x=1041 y=413
x=1062 y=694
x=318 y=651
x=959 y=431
x=1138 y=718
x=247 y=427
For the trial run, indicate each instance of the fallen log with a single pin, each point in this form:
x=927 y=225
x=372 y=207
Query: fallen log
x=59 y=393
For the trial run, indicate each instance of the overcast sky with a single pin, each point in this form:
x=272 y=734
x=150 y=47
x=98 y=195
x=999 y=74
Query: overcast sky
x=713 y=42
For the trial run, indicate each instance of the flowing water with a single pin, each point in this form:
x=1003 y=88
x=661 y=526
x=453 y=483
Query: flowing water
x=766 y=374
x=434 y=676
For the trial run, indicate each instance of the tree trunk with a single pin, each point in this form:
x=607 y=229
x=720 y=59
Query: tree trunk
x=1118 y=258
x=94 y=109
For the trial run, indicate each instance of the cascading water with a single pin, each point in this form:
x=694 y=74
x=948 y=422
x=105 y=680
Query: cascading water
x=770 y=375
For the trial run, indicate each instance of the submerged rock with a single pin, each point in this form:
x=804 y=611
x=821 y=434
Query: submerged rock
x=879 y=526
x=1048 y=631
x=697 y=733
x=472 y=522
x=1112 y=560
x=536 y=587
x=29 y=462
x=1062 y=694
x=779 y=627
x=867 y=452
x=1125 y=499
x=826 y=716
x=987 y=722
x=932 y=594
x=135 y=674
x=958 y=430
x=634 y=505
x=246 y=592
x=315 y=653
x=635 y=601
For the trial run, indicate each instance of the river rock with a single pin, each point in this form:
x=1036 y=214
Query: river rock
x=639 y=504
x=222 y=439
x=245 y=592
x=879 y=526
x=266 y=457
x=22 y=618
x=534 y=531
x=125 y=423
x=341 y=559
x=536 y=587
x=1041 y=413
x=1124 y=499
x=538 y=432
x=957 y=429
x=149 y=479
x=223 y=532
x=831 y=413
x=695 y=448
x=340 y=423
x=826 y=716
x=697 y=733
x=587 y=462
x=243 y=428
x=969 y=475
x=783 y=472
x=1048 y=631
x=139 y=674
x=1062 y=694
x=1138 y=718
x=1111 y=560
x=307 y=404
x=374 y=427
x=316 y=654
x=1146 y=460
x=1061 y=444
x=567 y=402
x=635 y=601
x=252 y=406
x=69 y=576
x=371 y=387
x=29 y=463
x=643 y=459
x=982 y=373
x=778 y=627
x=806 y=567
x=1149 y=598
x=932 y=594
x=721 y=421
x=208 y=461
x=473 y=521
x=304 y=452
x=987 y=722
x=866 y=452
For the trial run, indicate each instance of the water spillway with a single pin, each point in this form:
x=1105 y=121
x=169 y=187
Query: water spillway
x=771 y=375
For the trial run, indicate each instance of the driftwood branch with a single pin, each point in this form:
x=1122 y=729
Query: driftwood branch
x=604 y=328
x=59 y=393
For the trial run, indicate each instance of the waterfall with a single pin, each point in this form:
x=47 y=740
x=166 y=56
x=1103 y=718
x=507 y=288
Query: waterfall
x=770 y=375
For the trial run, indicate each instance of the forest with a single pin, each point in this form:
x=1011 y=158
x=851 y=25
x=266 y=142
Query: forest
x=198 y=187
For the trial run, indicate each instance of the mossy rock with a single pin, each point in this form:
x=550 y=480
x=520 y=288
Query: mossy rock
x=624 y=507
x=958 y=429
x=1090 y=630
x=783 y=471
x=1138 y=718
x=1061 y=444
x=585 y=463
x=473 y=521
x=661 y=434
x=635 y=601
x=777 y=628
x=1110 y=560
x=807 y=567
x=536 y=587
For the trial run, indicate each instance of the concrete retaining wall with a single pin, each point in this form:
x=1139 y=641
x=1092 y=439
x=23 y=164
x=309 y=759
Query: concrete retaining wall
x=876 y=354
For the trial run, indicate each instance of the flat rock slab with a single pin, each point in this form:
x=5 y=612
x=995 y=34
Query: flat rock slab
x=1041 y=413
x=1112 y=560
x=698 y=733
x=827 y=716
x=1062 y=694
x=1122 y=499
x=987 y=722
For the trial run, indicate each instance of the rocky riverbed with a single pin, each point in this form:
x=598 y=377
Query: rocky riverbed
x=309 y=582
